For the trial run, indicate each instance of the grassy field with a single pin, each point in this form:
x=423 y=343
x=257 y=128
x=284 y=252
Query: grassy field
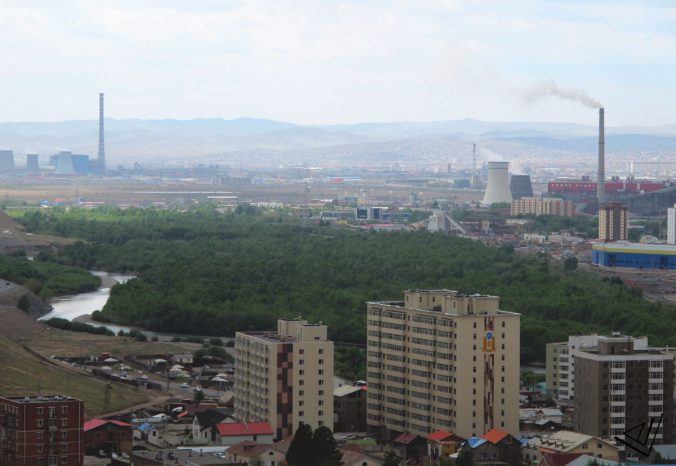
x=27 y=374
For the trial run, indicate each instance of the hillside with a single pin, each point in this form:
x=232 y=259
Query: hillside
x=25 y=373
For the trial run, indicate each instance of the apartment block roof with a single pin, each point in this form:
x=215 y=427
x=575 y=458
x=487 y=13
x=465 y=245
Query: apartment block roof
x=39 y=399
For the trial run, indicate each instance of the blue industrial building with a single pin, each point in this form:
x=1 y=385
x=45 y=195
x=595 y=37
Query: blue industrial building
x=634 y=255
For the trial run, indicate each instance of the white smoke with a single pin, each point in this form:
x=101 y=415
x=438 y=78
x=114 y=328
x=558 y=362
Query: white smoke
x=552 y=89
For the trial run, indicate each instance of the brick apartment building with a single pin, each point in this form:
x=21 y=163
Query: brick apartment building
x=41 y=431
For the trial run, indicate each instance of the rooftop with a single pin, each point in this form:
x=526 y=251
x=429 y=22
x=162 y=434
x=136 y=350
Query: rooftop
x=182 y=457
x=39 y=398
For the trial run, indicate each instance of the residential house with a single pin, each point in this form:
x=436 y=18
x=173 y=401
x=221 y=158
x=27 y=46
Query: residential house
x=232 y=433
x=248 y=452
x=109 y=436
x=204 y=426
x=495 y=447
x=149 y=433
x=539 y=418
x=410 y=446
x=441 y=444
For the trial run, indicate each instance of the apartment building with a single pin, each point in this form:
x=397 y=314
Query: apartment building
x=442 y=360
x=671 y=225
x=41 y=431
x=545 y=206
x=560 y=362
x=613 y=222
x=620 y=387
x=285 y=377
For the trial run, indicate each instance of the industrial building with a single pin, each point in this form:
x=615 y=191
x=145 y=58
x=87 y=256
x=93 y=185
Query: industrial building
x=520 y=186
x=32 y=163
x=671 y=225
x=285 y=377
x=442 y=360
x=546 y=206
x=635 y=255
x=498 y=188
x=45 y=430
x=6 y=160
x=620 y=387
x=560 y=375
x=613 y=224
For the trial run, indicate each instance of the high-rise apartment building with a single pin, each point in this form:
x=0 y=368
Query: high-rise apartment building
x=442 y=360
x=619 y=387
x=613 y=222
x=560 y=362
x=285 y=377
x=41 y=431
x=546 y=206
x=671 y=225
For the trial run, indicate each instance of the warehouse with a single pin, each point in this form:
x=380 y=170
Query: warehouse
x=639 y=256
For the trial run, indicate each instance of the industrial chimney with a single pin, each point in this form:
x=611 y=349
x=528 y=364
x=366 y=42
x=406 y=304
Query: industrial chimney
x=498 y=189
x=102 y=152
x=601 y=178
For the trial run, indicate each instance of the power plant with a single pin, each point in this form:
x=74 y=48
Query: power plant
x=498 y=188
x=7 y=160
x=102 y=152
x=32 y=163
x=601 y=176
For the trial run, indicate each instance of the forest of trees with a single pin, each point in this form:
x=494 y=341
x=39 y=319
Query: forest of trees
x=210 y=273
x=47 y=279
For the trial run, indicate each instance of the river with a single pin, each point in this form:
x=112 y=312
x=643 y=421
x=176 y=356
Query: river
x=81 y=306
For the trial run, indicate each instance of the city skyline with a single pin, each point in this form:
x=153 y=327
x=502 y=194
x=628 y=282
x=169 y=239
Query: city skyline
x=339 y=62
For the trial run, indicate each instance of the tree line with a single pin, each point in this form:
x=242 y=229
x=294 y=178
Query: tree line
x=210 y=273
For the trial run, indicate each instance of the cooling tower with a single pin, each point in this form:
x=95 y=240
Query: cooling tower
x=497 y=189
x=64 y=163
x=6 y=160
x=32 y=163
x=521 y=186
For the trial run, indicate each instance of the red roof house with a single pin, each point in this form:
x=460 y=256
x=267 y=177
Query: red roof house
x=231 y=433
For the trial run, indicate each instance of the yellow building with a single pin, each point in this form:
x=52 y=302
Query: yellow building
x=285 y=377
x=441 y=360
x=546 y=206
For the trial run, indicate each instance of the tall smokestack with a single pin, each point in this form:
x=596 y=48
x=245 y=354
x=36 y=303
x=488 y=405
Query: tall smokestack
x=102 y=151
x=601 y=178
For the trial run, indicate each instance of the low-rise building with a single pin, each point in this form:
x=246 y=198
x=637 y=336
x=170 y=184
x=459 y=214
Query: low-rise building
x=495 y=447
x=349 y=409
x=231 y=433
x=634 y=255
x=107 y=435
x=565 y=441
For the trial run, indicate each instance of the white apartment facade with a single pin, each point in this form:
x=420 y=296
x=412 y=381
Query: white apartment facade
x=671 y=225
x=285 y=377
x=442 y=360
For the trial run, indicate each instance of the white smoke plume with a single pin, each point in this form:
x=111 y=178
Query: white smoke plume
x=552 y=89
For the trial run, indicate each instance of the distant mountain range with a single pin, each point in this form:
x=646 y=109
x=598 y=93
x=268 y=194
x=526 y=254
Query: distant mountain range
x=192 y=140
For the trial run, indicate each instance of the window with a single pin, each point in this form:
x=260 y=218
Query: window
x=41 y=423
x=321 y=350
x=39 y=435
x=41 y=411
x=301 y=362
x=321 y=402
x=64 y=422
x=64 y=409
x=301 y=372
x=64 y=434
x=321 y=413
x=302 y=351
x=301 y=403
x=321 y=382
x=321 y=371
x=64 y=446
x=39 y=448
x=301 y=392
x=321 y=392
x=301 y=413
x=301 y=382
x=321 y=361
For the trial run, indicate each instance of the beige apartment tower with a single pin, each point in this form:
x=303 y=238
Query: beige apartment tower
x=613 y=222
x=285 y=377
x=442 y=360
x=546 y=206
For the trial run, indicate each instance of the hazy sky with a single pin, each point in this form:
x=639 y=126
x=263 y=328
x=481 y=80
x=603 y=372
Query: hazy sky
x=318 y=61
